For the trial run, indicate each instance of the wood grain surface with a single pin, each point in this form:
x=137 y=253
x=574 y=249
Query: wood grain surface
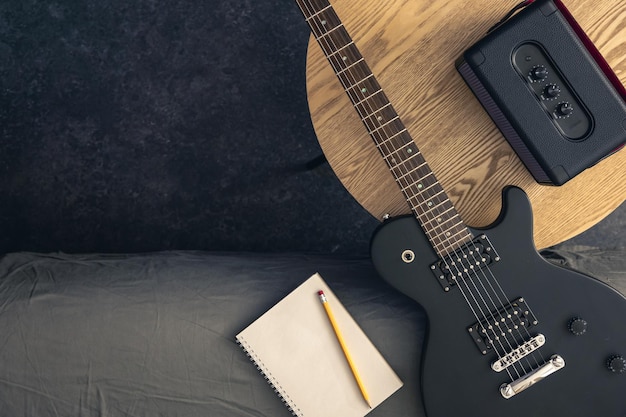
x=411 y=46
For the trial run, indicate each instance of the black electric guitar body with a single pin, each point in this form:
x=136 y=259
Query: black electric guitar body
x=581 y=319
x=510 y=335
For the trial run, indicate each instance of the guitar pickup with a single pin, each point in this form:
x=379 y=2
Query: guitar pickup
x=515 y=315
x=467 y=260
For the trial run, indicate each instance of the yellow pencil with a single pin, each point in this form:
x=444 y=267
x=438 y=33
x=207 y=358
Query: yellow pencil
x=331 y=317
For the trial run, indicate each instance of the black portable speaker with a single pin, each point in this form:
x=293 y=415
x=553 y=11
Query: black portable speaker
x=549 y=90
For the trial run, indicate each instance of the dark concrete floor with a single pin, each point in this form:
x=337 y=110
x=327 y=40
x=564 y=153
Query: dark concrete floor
x=168 y=125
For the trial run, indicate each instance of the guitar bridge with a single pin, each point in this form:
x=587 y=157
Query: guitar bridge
x=519 y=353
x=469 y=259
x=556 y=363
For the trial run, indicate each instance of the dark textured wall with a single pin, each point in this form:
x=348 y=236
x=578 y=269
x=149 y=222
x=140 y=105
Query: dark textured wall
x=148 y=125
x=131 y=126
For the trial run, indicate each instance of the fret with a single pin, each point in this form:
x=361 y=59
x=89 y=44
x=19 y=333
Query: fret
x=424 y=194
x=367 y=98
x=419 y=175
x=383 y=115
x=396 y=141
x=315 y=4
x=421 y=185
x=446 y=232
x=451 y=239
x=347 y=56
x=448 y=224
x=387 y=108
x=411 y=173
x=328 y=32
x=391 y=138
x=361 y=90
x=337 y=41
x=428 y=204
x=349 y=46
x=443 y=213
x=388 y=132
x=318 y=12
x=324 y=22
x=356 y=72
x=352 y=64
x=454 y=237
x=376 y=102
x=422 y=182
x=387 y=124
x=450 y=245
x=402 y=154
x=364 y=81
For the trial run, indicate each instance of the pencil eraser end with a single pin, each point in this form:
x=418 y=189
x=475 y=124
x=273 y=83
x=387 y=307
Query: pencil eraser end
x=320 y=292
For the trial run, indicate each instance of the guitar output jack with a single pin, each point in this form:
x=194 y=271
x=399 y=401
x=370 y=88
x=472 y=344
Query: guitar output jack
x=408 y=256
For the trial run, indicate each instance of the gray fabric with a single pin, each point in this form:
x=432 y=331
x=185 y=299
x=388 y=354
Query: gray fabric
x=153 y=334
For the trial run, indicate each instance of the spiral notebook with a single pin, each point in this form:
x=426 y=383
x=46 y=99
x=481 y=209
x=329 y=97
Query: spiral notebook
x=294 y=346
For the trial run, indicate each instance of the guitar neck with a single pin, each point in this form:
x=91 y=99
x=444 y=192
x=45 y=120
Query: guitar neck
x=426 y=197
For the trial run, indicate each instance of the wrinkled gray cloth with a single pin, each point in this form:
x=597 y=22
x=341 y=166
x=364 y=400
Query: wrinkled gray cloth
x=154 y=334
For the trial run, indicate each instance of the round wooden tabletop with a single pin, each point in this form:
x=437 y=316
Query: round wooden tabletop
x=411 y=47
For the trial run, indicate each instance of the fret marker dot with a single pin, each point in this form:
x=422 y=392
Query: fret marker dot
x=323 y=22
x=345 y=58
x=393 y=160
x=409 y=150
x=363 y=90
x=430 y=203
x=439 y=219
x=379 y=118
x=448 y=234
x=420 y=186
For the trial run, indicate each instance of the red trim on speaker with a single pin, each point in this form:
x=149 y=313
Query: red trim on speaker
x=606 y=68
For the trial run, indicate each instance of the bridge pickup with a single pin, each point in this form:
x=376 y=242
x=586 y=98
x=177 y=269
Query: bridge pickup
x=556 y=363
x=465 y=261
x=518 y=353
x=516 y=315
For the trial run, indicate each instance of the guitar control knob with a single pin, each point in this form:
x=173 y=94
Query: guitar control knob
x=539 y=73
x=551 y=91
x=564 y=109
x=616 y=364
x=577 y=326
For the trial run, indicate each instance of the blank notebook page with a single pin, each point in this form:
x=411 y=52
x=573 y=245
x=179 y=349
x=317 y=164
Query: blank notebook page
x=295 y=346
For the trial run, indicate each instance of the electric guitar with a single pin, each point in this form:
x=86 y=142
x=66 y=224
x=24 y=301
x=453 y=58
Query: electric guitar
x=509 y=334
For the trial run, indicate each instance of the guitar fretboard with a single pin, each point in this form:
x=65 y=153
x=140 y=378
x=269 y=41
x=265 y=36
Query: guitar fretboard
x=426 y=197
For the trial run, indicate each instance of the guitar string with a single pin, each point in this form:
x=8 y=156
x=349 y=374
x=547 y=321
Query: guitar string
x=522 y=330
x=518 y=329
x=324 y=32
x=354 y=84
x=362 y=100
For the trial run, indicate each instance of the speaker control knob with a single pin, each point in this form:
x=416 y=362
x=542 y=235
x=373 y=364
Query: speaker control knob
x=564 y=109
x=616 y=364
x=538 y=73
x=577 y=326
x=551 y=91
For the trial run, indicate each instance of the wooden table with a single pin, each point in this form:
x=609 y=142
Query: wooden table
x=411 y=46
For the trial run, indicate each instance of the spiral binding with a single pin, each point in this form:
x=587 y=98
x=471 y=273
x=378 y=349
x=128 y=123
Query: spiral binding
x=269 y=378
